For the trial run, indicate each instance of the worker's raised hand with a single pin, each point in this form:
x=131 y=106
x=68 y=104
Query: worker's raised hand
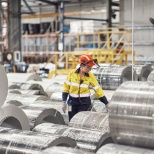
x=64 y=107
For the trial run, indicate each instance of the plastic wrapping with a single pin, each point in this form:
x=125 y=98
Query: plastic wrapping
x=122 y=149
x=131 y=117
x=38 y=115
x=86 y=139
x=91 y=120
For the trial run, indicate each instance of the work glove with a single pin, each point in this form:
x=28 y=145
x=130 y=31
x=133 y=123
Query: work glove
x=107 y=108
x=64 y=107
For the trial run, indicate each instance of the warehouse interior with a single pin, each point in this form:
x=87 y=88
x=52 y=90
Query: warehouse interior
x=42 y=41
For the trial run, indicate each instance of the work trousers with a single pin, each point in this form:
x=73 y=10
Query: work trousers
x=78 y=108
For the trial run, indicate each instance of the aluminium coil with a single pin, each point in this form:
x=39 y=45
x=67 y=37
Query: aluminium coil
x=151 y=76
x=53 y=105
x=38 y=115
x=63 y=150
x=91 y=120
x=25 y=86
x=113 y=76
x=131 y=117
x=4 y=85
x=27 y=142
x=27 y=92
x=142 y=71
x=122 y=149
x=24 y=99
x=13 y=117
x=23 y=77
x=87 y=140
x=54 y=87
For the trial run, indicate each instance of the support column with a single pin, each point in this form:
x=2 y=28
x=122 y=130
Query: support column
x=109 y=12
x=14 y=25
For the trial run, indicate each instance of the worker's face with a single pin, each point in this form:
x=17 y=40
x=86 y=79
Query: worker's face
x=87 y=68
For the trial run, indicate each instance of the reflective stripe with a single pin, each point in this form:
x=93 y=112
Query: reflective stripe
x=67 y=82
x=81 y=95
x=96 y=87
x=77 y=85
x=87 y=57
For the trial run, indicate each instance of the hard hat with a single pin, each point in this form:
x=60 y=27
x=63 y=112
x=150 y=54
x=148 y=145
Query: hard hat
x=87 y=60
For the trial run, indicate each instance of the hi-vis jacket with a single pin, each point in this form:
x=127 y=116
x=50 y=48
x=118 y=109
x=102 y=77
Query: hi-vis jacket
x=80 y=88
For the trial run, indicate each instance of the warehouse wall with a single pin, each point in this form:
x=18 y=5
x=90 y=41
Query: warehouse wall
x=144 y=30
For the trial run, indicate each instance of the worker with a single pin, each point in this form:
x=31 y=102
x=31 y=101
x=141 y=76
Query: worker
x=77 y=86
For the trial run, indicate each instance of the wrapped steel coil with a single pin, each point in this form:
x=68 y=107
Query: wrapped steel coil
x=26 y=142
x=91 y=120
x=23 y=77
x=151 y=76
x=28 y=92
x=24 y=99
x=111 y=77
x=86 y=139
x=142 y=71
x=122 y=149
x=38 y=115
x=131 y=117
x=13 y=117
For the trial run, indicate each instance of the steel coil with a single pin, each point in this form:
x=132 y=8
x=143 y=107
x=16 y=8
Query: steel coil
x=91 y=120
x=122 y=149
x=131 y=118
x=86 y=139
